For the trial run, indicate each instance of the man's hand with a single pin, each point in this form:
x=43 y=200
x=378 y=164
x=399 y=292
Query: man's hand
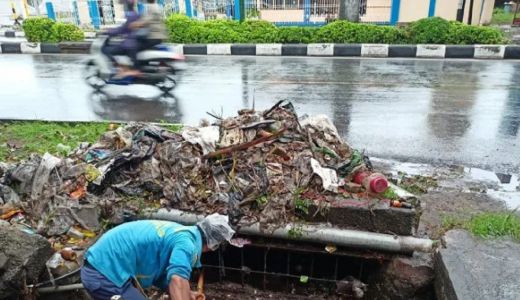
x=179 y=289
x=197 y=296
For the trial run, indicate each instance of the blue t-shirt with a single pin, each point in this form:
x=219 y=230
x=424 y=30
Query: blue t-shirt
x=149 y=251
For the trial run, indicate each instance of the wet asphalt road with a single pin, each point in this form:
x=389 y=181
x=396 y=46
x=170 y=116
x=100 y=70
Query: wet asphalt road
x=433 y=111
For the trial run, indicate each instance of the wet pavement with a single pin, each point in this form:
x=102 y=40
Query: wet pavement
x=424 y=111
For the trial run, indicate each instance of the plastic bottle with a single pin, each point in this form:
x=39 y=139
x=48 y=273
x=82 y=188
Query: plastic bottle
x=375 y=182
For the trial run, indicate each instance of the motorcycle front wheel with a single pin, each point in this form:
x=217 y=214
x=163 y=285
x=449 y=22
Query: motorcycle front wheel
x=93 y=76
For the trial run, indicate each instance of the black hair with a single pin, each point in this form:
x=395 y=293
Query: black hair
x=204 y=240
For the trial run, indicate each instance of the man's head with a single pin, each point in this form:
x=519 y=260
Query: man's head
x=215 y=230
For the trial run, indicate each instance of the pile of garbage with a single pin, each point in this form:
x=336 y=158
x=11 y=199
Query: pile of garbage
x=255 y=167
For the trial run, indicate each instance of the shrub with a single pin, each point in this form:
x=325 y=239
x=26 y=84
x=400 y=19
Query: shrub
x=429 y=31
x=63 y=32
x=296 y=35
x=38 y=29
x=259 y=32
x=346 y=32
x=46 y=30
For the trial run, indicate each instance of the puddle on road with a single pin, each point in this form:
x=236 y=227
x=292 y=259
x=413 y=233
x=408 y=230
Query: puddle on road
x=502 y=187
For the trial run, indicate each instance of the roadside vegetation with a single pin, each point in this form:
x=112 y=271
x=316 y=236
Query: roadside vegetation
x=46 y=30
x=488 y=225
x=21 y=138
x=185 y=30
x=500 y=17
x=426 y=31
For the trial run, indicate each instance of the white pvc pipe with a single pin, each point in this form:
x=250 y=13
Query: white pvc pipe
x=60 y=288
x=315 y=233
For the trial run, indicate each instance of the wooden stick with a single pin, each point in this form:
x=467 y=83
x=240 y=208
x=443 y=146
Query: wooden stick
x=245 y=146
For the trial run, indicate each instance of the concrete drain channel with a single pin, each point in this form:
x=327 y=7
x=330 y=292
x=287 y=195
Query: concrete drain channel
x=271 y=265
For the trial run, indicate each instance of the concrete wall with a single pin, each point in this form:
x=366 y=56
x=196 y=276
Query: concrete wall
x=293 y=15
x=412 y=10
x=377 y=11
x=447 y=9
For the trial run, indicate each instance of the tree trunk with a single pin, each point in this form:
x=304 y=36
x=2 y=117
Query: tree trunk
x=349 y=10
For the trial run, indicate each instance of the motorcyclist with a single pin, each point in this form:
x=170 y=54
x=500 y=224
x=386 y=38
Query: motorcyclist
x=129 y=45
x=142 y=32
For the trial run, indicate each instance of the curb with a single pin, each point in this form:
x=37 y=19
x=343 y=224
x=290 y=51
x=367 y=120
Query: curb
x=13 y=34
x=318 y=50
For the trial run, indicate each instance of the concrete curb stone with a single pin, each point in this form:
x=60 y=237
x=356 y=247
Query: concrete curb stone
x=512 y=52
x=11 y=48
x=402 y=51
x=459 y=51
x=243 y=49
x=195 y=49
x=294 y=50
x=347 y=49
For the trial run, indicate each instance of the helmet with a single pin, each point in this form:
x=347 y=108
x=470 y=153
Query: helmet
x=216 y=230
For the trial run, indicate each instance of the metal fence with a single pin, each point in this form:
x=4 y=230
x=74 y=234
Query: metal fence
x=281 y=12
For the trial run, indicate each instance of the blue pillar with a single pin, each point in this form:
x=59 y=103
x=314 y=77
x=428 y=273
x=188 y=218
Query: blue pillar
x=93 y=10
x=431 y=10
x=306 y=11
x=176 y=9
x=50 y=11
x=140 y=8
x=75 y=12
x=189 y=11
x=160 y=2
x=394 y=14
x=228 y=9
x=237 y=10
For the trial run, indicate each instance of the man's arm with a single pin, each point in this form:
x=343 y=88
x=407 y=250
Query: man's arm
x=179 y=288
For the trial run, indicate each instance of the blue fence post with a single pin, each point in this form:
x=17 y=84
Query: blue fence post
x=140 y=8
x=189 y=11
x=228 y=9
x=306 y=11
x=93 y=10
x=431 y=10
x=394 y=15
x=75 y=12
x=50 y=11
x=237 y=10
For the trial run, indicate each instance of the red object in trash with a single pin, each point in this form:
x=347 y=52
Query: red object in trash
x=374 y=182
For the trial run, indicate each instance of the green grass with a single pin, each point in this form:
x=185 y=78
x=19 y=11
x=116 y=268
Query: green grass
x=487 y=225
x=491 y=225
x=389 y=193
x=21 y=138
x=501 y=18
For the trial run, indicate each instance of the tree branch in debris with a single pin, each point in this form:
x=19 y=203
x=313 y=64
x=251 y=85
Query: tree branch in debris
x=244 y=146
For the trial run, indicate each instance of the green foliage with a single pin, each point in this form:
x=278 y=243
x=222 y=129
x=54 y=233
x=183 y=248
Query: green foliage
x=500 y=17
x=426 y=31
x=64 y=32
x=347 y=32
x=390 y=194
x=488 y=225
x=439 y=31
x=46 y=30
x=38 y=29
x=262 y=200
x=296 y=35
x=19 y=139
x=296 y=231
x=429 y=31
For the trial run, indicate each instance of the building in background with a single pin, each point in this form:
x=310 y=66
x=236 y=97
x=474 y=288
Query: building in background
x=282 y=12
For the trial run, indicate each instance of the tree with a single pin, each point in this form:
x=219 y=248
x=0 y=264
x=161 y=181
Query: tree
x=349 y=10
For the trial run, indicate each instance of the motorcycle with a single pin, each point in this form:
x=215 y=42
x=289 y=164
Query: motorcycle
x=156 y=65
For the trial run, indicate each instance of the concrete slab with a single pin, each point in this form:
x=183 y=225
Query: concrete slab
x=374 y=50
x=471 y=268
x=347 y=50
x=490 y=51
x=243 y=49
x=367 y=216
x=269 y=49
x=195 y=49
x=294 y=50
x=431 y=51
x=219 y=49
x=320 y=49
x=30 y=48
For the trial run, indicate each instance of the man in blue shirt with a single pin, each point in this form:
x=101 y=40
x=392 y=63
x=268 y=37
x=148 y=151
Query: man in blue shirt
x=150 y=252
